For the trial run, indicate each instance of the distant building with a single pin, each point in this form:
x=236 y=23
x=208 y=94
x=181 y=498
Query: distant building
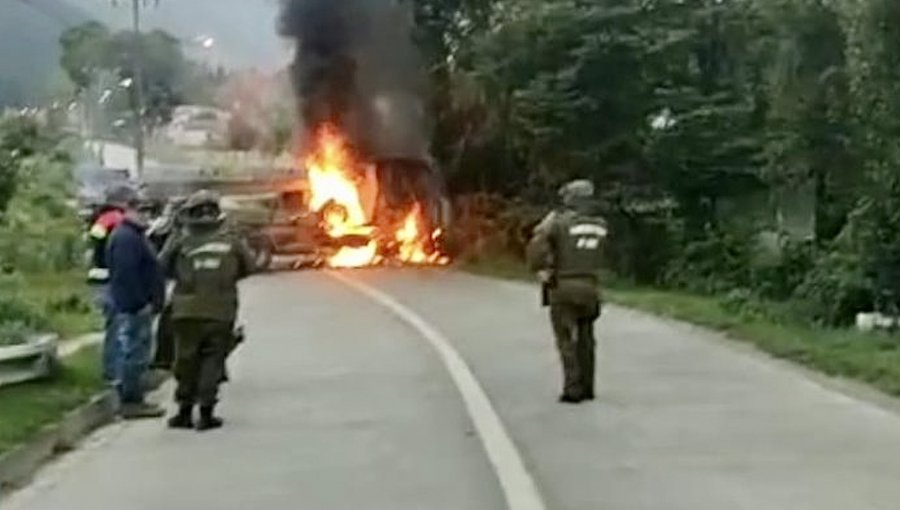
x=197 y=126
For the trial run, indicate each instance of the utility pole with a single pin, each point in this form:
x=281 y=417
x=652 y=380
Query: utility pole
x=138 y=75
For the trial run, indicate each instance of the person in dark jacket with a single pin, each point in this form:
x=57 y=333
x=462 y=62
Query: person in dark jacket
x=137 y=290
x=108 y=218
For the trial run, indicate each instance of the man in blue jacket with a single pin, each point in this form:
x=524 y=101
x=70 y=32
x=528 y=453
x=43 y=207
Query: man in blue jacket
x=137 y=289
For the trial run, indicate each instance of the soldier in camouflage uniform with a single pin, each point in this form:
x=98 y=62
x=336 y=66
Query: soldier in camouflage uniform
x=566 y=251
x=206 y=262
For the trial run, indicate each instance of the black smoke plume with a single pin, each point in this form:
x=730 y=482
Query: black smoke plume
x=356 y=66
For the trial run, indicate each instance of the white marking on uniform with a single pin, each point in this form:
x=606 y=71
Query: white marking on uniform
x=519 y=488
x=587 y=229
x=211 y=248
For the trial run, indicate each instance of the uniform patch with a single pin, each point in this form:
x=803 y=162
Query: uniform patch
x=207 y=264
x=587 y=243
x=587 y=229
x=211 y=248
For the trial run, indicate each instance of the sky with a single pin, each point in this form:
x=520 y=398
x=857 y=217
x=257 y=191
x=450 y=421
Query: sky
x=244 y=31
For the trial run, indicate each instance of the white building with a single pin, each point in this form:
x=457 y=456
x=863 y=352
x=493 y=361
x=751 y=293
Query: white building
x=197 y=126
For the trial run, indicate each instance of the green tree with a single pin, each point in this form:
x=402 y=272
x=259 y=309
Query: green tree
x=164 y=69
x=808 y=128
x=169 y=78
x=20 y=138
x=85 y=50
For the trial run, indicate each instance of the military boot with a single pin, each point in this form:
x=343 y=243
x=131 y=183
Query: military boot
x=570 y=399
x=184 y=419
x=208 y=419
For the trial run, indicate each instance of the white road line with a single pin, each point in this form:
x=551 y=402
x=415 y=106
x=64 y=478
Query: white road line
x=518 y=486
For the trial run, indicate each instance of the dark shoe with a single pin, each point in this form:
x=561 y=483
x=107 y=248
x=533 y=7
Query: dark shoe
x=569 y=399
x=184 y=419
x=142 y=411
x=589 y=395
x=208 y=420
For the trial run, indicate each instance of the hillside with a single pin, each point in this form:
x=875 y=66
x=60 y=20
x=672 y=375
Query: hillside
x=30 y=29
x=29 y=47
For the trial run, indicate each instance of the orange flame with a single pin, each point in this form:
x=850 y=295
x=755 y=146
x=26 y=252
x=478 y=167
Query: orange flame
x=412 y=247
x=335 y=193
x=332 y=184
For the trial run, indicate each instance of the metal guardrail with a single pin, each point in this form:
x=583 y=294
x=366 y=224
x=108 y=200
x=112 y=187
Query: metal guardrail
x=32 y=360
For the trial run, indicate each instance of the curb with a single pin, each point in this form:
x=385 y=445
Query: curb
x=18 y=466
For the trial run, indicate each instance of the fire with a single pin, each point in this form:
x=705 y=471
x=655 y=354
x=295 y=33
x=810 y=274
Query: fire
x=334 y=191
x=412 y=247
x=335 y=194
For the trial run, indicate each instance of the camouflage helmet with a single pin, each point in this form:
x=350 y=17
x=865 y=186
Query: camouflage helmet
x=576 y=191
x=202 y=208
x=202 y=197
x=121 y=195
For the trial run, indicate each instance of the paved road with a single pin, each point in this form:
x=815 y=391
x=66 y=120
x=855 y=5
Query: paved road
x=340 y=403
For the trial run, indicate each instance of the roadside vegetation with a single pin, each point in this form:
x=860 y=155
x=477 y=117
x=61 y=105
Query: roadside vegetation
x=28 y=408
x=42 y=285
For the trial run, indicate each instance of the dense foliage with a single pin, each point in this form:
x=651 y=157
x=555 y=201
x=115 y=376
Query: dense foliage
x=742 y=147
x=39 y=231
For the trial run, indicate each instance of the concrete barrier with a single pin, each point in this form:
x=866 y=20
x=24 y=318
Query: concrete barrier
x=32 y=360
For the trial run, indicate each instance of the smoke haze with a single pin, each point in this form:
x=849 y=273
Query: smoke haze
x=357 y=67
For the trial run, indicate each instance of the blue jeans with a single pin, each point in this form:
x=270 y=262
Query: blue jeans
x=134 y=334
x=110 y=340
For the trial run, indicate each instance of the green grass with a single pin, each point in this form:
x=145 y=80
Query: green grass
x=27 y=408
x=68 y=300
x=873 y=358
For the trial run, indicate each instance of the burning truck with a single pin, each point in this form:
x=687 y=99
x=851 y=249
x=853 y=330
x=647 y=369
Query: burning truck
x=345 y=211
x=383 y=211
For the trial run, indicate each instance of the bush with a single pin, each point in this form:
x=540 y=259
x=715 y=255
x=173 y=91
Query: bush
x=641 y=245
x=40 y=232
x=17 y=314
x=72 y=303
x=835 y=290
x=13 y=333
x=716 y=264
x=487 y=226
x=14 y=308
x=779 y=280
